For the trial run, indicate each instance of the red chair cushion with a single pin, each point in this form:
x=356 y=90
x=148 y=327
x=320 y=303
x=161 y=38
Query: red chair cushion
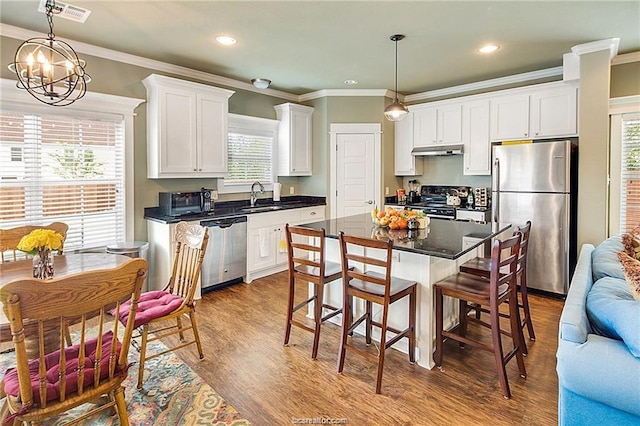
x=52 y=364
x=152 y=305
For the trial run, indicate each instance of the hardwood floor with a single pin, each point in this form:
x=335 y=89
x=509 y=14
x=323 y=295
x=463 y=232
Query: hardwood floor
x=242 y=329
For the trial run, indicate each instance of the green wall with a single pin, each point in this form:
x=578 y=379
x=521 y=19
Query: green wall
x=625 y=80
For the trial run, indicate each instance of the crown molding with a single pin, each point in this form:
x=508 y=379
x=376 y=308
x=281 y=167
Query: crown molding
x=486 y=84
x=326 y=93
x=610 y=44
x=626 y=58
x=114 y=55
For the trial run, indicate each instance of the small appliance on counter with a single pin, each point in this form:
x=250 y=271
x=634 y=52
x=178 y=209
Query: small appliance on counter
x=176 y=204
x=414 y=192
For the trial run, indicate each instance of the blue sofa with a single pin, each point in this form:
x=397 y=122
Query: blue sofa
x=598 y=373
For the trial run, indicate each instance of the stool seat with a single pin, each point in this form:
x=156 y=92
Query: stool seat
x=473 y=286
x=332 y=270
x=397 y=285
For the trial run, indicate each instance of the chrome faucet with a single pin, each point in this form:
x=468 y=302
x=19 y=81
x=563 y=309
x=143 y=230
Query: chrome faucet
x=254 y=196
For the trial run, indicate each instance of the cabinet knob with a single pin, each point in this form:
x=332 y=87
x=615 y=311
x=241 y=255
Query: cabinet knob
x=537 y=133
x=195 y=170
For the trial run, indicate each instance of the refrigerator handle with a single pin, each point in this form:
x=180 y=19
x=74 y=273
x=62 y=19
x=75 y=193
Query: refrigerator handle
x=496 y=186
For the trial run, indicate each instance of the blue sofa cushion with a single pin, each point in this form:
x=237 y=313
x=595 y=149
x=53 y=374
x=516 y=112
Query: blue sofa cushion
x=614 y=313
x=604 y=260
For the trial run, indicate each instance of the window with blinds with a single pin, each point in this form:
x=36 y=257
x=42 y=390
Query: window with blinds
x=250 y=159
x=630 y=177
x=66 y=169
x=250 y=153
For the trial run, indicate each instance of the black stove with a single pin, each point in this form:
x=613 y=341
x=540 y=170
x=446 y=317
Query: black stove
x=433 y=200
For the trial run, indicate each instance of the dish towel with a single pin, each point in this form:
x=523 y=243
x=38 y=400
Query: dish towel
x=263 y=243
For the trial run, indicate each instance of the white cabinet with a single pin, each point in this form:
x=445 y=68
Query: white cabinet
x=186 y=128
x=554 y=112
x=266 y=239
x=475 y=133
x=438 y=125
x=405 y=163
x=294 y=139
x=550 y=111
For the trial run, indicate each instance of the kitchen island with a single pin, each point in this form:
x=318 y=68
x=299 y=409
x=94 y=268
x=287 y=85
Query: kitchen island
x=425 y=256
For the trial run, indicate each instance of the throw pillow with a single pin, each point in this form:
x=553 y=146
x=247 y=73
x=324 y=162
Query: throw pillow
x=631 y=267
x=604 y=259
x=613 y=312
x=631 y=245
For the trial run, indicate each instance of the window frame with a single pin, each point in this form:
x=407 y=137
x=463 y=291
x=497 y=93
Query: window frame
x=246 y=124
x=618 y=107
x=92 y=105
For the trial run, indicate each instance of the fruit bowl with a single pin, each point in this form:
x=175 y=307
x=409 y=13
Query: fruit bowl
x=392 y=218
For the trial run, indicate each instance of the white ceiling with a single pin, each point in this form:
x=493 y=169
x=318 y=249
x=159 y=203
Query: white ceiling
x=304 y=46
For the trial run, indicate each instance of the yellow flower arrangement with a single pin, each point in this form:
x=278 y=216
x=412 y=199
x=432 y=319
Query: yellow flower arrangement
x=39 y=240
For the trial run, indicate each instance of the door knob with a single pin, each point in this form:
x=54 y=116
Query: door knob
x=369 y=201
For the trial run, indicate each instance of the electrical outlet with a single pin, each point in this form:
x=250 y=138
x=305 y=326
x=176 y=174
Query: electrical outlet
x=214 y=195
x=395 y=256
x=386 y=190
x=291 y=190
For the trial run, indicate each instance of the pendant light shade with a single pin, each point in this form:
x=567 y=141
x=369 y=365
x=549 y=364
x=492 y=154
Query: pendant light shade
x=50 y=69
x=396 y=110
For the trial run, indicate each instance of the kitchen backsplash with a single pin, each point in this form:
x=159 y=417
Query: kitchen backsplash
x=446 y=170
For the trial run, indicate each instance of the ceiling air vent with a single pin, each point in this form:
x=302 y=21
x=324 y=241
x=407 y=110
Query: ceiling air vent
x=66 y=11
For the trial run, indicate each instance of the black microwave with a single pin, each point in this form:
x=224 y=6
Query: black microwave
x=185 y=203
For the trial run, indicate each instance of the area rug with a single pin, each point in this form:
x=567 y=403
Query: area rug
x=173 y=395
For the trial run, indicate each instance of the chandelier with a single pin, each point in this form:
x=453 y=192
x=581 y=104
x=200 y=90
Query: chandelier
x=396 y=110
x=50 y=69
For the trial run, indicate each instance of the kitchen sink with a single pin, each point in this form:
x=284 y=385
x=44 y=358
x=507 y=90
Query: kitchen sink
x=259 y=209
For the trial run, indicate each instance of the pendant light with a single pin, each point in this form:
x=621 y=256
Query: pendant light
x=50 y=69
x=396 y=110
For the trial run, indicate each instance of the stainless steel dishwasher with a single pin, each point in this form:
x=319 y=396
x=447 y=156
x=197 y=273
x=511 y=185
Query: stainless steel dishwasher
x=225 y=261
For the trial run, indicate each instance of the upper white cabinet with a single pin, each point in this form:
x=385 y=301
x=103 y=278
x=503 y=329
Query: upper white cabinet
x=186 y=128
x=548 y=111
x=475 y=133
x=438 y=125
x=405 y=163
x=294 y=139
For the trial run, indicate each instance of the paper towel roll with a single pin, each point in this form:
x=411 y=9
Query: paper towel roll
x=277 y=187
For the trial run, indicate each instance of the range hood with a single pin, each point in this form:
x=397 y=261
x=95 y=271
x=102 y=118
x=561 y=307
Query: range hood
x=437 y=150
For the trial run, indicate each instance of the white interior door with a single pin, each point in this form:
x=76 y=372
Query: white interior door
x=356 y=167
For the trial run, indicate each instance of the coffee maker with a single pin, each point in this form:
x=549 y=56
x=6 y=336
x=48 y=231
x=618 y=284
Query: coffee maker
x=414 y=192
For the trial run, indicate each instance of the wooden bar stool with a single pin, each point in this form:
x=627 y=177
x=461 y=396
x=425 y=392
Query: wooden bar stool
x=482 y=265
x=306 y=263
x=497 y=289
x=373 y=287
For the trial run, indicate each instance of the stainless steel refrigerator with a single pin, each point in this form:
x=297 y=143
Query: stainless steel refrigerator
x=538 y=182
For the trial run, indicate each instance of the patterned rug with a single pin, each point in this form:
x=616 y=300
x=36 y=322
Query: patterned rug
x=173 y=395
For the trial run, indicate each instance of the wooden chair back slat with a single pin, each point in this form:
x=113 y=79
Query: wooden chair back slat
x=80 y=301
x=350 y=251
x=302 y=251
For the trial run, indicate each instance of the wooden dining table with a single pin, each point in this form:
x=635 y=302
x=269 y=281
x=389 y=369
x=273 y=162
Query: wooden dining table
x=63 y=265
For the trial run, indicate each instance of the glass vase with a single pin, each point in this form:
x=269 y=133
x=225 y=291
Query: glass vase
x=43 y=264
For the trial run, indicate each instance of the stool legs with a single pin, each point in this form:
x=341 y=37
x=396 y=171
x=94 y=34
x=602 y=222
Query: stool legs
x=287 y=329
x=317 y=315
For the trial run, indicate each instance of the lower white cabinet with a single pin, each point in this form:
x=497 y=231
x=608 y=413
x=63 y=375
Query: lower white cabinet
x=267 y=241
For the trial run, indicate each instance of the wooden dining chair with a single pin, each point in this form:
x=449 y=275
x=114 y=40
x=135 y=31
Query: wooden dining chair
x=94 y=368
x=373 y=283
x=9 y=238
x=165 y=310
x=492 y=292
x=482 y=266
x=305 y=249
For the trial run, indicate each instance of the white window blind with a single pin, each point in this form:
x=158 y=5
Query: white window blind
x=58 y=168
x=630 y=173
x=250 y=158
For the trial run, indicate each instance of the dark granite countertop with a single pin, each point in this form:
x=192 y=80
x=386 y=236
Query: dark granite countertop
x=442 y=238
x=238 y=208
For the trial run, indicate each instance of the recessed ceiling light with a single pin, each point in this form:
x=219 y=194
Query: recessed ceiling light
x=350 y=82
x=226 y=40
x=489 y=48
